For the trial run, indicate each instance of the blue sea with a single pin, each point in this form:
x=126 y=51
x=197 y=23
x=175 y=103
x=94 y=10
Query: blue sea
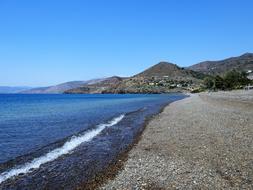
x=63 y=140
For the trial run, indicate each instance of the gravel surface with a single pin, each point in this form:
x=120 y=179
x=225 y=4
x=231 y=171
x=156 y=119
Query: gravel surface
x=202 y=142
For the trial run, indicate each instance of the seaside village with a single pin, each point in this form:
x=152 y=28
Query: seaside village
x=164 y=81
x=250 y=76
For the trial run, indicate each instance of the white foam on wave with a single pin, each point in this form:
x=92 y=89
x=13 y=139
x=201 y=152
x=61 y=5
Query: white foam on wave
x=56 y=153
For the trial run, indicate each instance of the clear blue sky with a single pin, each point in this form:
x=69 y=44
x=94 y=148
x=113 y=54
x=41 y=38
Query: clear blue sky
x=45 y=42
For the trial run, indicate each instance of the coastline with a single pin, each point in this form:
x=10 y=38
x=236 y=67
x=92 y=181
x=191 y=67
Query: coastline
x=118 y=164
x=85 y=162
x=199 y=142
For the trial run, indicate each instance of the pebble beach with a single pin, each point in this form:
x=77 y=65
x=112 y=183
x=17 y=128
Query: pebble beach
x=202 y=142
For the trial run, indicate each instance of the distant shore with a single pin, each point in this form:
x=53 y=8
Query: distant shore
x=203 y=142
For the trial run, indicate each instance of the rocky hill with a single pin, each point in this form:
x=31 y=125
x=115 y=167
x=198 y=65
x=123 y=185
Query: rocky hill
x=60 y=88
x=97 y=88
x=160 y=78
x=241 y=63
x=171 y=71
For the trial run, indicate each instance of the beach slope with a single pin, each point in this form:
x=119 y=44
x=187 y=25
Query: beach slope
x=201 y=142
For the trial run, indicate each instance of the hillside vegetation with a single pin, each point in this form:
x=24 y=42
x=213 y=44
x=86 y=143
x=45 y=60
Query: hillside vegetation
x=167 y=77
x=240 y=63
x=161 y=78
x=231 y=80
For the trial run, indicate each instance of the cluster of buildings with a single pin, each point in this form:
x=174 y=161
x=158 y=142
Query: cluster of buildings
x=164 y=81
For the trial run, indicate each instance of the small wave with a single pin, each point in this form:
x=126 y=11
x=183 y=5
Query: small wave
x=56 y=153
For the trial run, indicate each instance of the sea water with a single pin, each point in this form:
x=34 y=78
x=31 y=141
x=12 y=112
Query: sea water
x=44 y=136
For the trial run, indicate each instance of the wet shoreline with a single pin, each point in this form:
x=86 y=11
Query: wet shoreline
x=118 y=163
x=201 y=142
x=91 y=163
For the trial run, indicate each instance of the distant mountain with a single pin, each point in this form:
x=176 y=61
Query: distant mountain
x=160 y=78
x=98 y=87
x=241 y=63
x=60 y=88
x=171 y=71
x=13 y=89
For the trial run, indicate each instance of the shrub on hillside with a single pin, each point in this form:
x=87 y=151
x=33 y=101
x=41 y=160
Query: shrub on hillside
x=208 y=82
x=231 y=80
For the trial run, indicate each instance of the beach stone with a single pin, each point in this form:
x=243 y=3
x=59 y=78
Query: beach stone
x=201 y=142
